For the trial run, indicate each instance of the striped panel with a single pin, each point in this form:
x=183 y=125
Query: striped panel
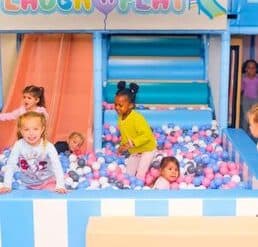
x=63 y=222
x=50 y=223
x=185 y=207
x=17 y=226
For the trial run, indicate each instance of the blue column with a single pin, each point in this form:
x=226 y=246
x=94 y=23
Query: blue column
x=224 y=79
x=97 y=57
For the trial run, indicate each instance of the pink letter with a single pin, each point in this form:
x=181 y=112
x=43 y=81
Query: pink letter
x=33 y=4
x=156 y=4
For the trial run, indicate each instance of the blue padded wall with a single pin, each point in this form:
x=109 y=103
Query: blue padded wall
x=157 y=118
x=155 y=57
x=157 y=68
x=165 y=93
x=144 y=45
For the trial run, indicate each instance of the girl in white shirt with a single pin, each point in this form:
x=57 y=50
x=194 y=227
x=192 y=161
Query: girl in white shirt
x=36 y=157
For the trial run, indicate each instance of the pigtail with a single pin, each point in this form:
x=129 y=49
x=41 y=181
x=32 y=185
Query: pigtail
x=121 y=85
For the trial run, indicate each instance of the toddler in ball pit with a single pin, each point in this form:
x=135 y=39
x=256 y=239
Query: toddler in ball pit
x=169 y=173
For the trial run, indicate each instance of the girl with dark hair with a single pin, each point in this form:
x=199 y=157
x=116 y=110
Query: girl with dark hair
x=136 y=135
x=33 y=100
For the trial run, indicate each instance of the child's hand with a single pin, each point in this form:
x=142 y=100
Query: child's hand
x=61 y=190
x=123 y=148
x=5 y=190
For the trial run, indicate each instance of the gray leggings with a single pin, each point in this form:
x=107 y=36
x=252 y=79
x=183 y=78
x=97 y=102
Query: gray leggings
x=246 y=104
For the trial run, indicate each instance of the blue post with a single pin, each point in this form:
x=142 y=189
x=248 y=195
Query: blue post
x=97 y=56
x=224 y=79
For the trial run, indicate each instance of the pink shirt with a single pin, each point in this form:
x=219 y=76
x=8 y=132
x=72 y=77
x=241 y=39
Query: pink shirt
x=161 y=184
x=250 y=87
x=18 y=112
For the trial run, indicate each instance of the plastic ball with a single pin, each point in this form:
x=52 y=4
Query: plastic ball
x=74 y=176
x=81 y=162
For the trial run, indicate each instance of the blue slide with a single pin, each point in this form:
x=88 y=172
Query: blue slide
x=211 y=8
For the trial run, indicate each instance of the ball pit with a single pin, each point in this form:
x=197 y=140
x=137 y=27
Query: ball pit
x=203 y=162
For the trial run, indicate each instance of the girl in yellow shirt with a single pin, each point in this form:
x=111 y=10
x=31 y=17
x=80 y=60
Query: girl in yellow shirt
x=136 y=135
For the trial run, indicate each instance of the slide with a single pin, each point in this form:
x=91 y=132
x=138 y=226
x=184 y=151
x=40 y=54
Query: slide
x=211 y=8
x=63 y=65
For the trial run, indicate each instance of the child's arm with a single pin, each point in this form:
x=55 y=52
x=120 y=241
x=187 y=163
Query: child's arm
x=57 y=169
x=11 y=115
x=10 y=167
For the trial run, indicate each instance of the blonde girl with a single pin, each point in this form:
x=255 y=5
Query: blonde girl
x=36 y=157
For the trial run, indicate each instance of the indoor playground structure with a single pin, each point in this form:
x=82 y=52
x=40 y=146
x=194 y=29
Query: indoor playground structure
x=186 y=56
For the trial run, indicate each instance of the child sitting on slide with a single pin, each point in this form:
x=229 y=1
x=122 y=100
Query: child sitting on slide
x=33 y=100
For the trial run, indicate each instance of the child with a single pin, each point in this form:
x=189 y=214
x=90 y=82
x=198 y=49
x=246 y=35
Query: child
x=73 y=144
x=33 y=100
x=169 y=172
x=136 y=135
x=37 y=158
x=249 y=89
x=252 y=116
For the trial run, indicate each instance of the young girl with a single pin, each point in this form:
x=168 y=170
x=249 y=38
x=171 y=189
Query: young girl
x=169 y=172
x=252 y=116
x=73 y=144
x=249 y=89
x=33 y=100
x=136 y=135
x=37 y=158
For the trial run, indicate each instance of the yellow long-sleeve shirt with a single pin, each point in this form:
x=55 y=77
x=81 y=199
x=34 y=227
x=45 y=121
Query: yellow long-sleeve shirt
x=136 y=129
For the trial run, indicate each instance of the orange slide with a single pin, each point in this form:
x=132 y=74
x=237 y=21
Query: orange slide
x=63 y=65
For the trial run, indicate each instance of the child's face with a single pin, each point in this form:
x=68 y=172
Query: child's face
x=170 y=172
x=122 y=105
x=253 y=126
x=75 y=143
x=30 y=101
x=32 y=130
x=251 y=69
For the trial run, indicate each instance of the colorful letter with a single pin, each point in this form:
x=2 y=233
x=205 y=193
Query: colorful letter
x=9 y=6
x=79 y=3
x=164 y=4
x=123 y=4
x=47 y=5
x=25 y=4
x=65 y=4
x=141 y=6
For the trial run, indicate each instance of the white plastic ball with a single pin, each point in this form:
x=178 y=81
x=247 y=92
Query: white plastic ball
x=101 y=160
x=86 y=169
x=103 y=180
x=73 y=166
x=112 y=129
x=95 y=165
x=183 y=185
x=112 y=166
x=69 y=181
x=73 y=158
x=80 y=171
x=74 y=185
x=236 y=178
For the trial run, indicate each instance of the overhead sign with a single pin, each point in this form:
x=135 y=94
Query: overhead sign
x=113 y=14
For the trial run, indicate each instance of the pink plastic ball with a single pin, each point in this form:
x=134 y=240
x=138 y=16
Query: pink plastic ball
x=154 y=172
x=174 y=186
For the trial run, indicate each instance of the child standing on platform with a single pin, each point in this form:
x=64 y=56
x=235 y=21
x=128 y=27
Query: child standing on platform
x=37 y=159
x=33 y=100
x=169 y=173
x=136 y=135
x=249 y=90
